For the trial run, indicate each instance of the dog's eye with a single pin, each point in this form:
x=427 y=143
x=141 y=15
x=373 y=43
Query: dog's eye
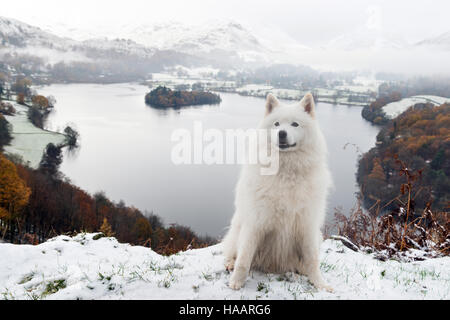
x=276 y=124
x=294 y=124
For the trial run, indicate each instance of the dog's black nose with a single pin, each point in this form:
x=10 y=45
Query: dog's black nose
x=282 y=134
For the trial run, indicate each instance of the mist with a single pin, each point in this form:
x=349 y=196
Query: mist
x=307 y=32
x=408 y=61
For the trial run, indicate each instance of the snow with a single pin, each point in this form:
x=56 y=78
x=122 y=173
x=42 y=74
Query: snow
x=171 y=81
x=366 y=39
x=196 y=38
x=324 y=95
x=361 y=88
x=201 y=37
x=362 y=85
x=258 y=90
x=29 y=141
x=440 y=42
x=83 y=268
x=54 y=49
x=120 y=46
x=393 y=109
x=370 y=36
x=197 y=73
x=219 y=37
x=254 y=88
x=11 y=29
x=226 y=42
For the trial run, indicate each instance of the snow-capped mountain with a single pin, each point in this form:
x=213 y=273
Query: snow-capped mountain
x=219 y=43
x=226 y=36
x=367 y=39
x=440 y=42
x=33 y=50
x=14 y=33
x=218 y=40
x=118 y=47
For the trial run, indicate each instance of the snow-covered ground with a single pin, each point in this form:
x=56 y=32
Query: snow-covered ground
x=362 y=85
x=29 y=141
x=394 y=109
x=84 y=268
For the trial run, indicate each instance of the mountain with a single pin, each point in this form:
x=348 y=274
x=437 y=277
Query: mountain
x=116 y=47
x=33 y=51
x=441 y=42
x=364 y=38
x=14 y=33
x=197 y=39
x=221 y=42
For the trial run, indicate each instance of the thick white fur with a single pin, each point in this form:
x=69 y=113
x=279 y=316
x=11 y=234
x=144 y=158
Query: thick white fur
x=277 y=222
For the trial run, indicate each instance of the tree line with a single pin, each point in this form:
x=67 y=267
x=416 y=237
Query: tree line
x=37 y=204
x=395 y=91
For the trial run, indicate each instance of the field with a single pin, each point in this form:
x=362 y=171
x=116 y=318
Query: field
x=29 y=141
x=393 y=109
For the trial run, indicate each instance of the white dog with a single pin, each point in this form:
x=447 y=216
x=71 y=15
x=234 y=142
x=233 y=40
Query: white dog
x=276 y=226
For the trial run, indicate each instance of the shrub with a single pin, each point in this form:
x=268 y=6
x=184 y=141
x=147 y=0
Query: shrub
x=391 y=234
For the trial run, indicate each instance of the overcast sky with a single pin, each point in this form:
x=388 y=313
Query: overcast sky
x=310 y=22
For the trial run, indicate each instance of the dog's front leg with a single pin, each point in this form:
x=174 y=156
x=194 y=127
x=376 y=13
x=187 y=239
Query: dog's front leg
x=310 y=260
x=248 y=244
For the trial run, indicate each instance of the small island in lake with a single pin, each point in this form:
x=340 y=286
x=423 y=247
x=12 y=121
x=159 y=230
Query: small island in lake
x=163 y=97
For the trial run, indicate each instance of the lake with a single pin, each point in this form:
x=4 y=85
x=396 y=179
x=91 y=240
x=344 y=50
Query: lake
x=125 y=151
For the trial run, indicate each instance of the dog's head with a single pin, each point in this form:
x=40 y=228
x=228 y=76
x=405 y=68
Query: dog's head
x=292 y=122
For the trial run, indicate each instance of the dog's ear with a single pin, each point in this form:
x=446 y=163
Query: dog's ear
x=307 y=103
x=271 y=103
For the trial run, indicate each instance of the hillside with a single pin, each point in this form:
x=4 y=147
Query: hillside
x=44 y=56
x=364 y=38
x=131 y=52
x=84 y=268
x=420 y=138
x=440 y=42
x=28 y=140
x=394 y=109
x=395 y=98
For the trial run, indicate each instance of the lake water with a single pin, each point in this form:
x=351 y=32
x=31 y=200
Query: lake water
x=126 y=151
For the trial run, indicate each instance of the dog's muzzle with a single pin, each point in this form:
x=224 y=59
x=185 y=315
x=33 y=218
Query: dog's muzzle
x=282 y=140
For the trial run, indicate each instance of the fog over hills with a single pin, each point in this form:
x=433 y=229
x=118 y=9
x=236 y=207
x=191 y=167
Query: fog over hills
x=223 y=44
x=367 y=39
x=212 y=39
x=441 y=42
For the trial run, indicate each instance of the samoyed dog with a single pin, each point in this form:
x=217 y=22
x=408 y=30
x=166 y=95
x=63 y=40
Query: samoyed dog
x=277 y=224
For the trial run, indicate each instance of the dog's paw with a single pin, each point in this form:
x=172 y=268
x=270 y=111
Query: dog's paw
x=235 y=284
x=327 y=288
x=324 y=286
x=237 y=280
x=320 y=284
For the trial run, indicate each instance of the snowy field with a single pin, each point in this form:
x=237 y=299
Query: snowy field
x=84 y=268
x=29 y=141
x=394 y=109
x=362 y=87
